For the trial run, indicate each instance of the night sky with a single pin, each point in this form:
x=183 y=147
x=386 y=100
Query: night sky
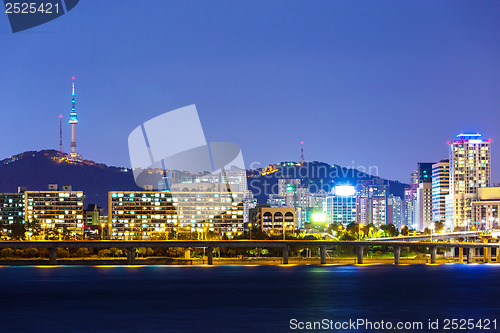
x=370 y=83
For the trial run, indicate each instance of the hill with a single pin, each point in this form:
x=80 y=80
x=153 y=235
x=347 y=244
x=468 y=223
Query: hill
x=36 y=169
x=315 y=175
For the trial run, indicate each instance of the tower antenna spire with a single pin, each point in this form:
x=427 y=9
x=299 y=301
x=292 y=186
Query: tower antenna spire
x=61 y=149
x=301 y=152
x=73 y=120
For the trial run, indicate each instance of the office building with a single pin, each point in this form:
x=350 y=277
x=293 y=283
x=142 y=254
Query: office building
x=273 y=219
x=340 y=207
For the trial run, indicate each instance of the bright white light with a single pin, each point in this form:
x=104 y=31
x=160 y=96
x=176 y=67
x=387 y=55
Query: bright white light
x=318 y=217
x=345 y=190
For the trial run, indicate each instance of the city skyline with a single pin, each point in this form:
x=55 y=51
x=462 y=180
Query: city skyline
x=248 y=166
x=355 y=86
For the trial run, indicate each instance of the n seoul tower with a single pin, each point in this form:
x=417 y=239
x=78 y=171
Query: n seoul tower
x=73 y=120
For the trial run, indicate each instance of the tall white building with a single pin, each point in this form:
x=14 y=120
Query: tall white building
x=440 y=189
x=470 y=169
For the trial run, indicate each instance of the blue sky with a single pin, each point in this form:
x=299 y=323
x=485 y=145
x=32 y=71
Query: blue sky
x=370 y=83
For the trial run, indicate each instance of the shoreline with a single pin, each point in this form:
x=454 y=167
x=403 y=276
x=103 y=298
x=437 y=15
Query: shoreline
x=224 y=261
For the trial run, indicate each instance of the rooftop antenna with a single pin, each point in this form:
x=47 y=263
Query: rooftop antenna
x=61 y=149
x=301 y=152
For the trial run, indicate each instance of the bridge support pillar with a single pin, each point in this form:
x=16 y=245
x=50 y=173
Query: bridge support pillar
x=498 y=254
x=397 y=255
x=460 y=255
x=486 y=255
x=322 y=250
x=210 y=255
x=131 y=256
x=53 y=256
x=470 y=252
x=285 y=255
x=433 y=254
x=187 y=254
x=360 y=254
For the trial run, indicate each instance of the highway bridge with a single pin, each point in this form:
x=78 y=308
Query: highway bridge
x=449 y=235
x=323 y=245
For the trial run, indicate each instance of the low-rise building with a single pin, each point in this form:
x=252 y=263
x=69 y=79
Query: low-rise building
x=273 y=219
x=486 y=208
x=61 y=210
x=148 y=214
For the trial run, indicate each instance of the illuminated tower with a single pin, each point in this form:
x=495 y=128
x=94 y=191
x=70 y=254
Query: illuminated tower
x=73 y=120
x=61 y=149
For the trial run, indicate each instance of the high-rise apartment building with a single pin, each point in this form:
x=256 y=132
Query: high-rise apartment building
x=409 y=206
x=294 y=196
x=470 y=169
x=414 y=177
x=423 y=212
x=371 y=203
x=316 y=199
x=249 y=202
x=395 y=213
x=440 y=189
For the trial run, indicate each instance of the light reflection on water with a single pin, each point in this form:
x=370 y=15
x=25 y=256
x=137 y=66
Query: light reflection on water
x=239 y=297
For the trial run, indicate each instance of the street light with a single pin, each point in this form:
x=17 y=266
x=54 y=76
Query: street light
x=102 y=231
x=284 y=228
